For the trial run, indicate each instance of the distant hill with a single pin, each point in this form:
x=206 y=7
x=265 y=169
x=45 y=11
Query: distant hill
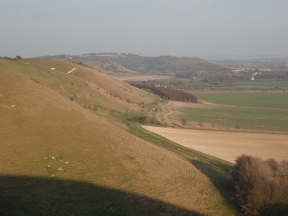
x=112 y=68
x=148 y=64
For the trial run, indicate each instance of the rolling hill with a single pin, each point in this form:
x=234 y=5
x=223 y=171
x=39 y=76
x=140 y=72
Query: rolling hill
x=112 y=68
x=147 y=64
x=65 y=152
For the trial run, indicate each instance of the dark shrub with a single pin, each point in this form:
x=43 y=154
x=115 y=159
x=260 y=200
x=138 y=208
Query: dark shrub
x=261 y=187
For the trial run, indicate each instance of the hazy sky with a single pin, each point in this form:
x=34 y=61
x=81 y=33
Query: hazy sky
x=152 y=27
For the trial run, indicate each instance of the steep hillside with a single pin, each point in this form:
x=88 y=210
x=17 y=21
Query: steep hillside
x=59 y=158
x=86 y=86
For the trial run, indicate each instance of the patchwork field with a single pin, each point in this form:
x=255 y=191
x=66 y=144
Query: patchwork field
x=228 y=145
x=229 y=124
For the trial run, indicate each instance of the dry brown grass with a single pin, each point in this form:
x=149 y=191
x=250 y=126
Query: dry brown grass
x=115 y=86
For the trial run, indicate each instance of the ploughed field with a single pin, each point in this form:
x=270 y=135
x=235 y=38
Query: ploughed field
x=228 y=145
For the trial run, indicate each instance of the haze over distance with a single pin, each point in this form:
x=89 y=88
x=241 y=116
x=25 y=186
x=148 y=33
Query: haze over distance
x=192 y=28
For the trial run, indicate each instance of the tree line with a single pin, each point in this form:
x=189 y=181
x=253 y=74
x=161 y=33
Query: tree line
x=169 y=94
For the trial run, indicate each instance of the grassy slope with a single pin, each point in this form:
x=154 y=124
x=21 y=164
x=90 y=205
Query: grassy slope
x=49 y=136
x=88 y=87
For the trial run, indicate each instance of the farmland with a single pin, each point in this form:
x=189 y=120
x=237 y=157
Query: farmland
x=263 y=84
x=266 y=112
x=229 y=123
x=277 y=100
x=228 y=145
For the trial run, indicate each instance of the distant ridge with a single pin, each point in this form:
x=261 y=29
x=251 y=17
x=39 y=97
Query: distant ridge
x=112 y=67
x=146 y=64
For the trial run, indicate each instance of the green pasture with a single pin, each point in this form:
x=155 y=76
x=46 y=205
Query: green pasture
x=263 y=84
x=241 y=118
x=247 y=99
x=249 y=110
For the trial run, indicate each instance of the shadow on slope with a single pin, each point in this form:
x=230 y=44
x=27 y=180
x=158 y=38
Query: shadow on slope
x=219 y=177
x=22 y=195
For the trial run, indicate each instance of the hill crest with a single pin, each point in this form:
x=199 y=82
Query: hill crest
x=147 y=64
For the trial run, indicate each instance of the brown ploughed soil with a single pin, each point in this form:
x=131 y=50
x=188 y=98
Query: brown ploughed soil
x=228 y=145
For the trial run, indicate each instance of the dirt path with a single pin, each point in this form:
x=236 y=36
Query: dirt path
x=228 y=145
x=165 y=112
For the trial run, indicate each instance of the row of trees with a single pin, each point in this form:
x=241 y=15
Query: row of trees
x=261 y=187
x=9 y=58
x=170 y=94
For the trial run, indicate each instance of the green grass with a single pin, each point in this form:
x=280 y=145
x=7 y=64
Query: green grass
x=248 y=99
x=263 y=84
x=244 y=118
x=254 y=110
